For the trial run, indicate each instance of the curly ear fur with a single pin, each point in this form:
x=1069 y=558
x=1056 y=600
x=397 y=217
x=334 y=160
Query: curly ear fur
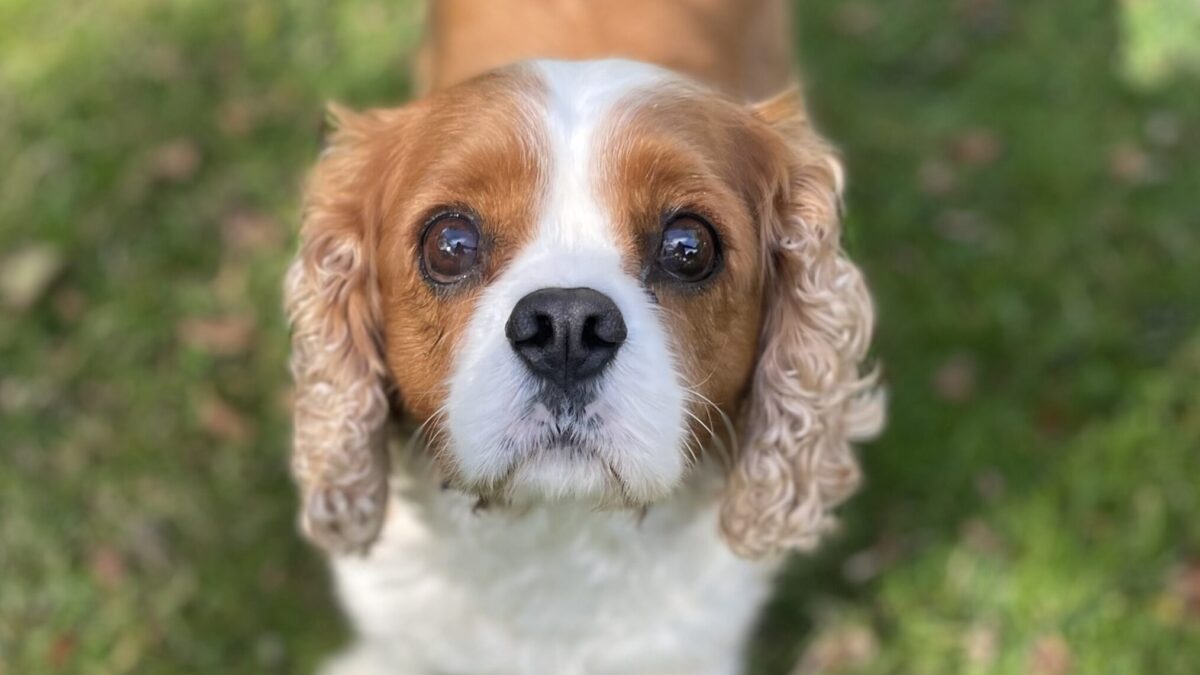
x=809 y=398
x=341 y=405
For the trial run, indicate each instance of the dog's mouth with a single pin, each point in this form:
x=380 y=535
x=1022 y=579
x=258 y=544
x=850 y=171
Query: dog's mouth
x=560 y=447
x=555 y=418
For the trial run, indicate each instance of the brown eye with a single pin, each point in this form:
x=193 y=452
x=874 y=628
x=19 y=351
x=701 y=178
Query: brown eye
x=689 y=249
x=450 y=248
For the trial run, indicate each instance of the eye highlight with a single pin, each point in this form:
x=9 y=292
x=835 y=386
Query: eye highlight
x=688 y=250
x=450 y=248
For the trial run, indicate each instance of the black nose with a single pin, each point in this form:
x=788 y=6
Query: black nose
x=566 y=335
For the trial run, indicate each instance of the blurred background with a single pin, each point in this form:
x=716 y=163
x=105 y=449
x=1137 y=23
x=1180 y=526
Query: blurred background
x=1025 y=196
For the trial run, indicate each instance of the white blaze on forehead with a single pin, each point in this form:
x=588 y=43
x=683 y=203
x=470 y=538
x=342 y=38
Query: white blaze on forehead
x=639 y=413
x=581 y=98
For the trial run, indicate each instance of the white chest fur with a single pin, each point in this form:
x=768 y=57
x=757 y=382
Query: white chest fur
x=556 y=590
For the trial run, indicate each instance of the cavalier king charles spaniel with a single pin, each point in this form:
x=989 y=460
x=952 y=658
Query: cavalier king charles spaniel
x=577 y=349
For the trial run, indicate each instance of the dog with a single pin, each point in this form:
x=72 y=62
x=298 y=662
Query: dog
x=578 y=353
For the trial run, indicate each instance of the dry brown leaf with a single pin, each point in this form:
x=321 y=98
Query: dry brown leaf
x=176 y=160
x=223 y=421
x=963 y=226
x=26 y=274
x=69 y=304
x=869 y=563
x=62 y=648
x=980 y=538
x=976 y=147
x=839 y=648
x=1051 y=655
x=251 y=231
x=981 y=645
x=228 y=335
x=990 y=485
x=955 y=379
x=937 y=177
x=107 y=566
x=856 y=19
x=1185 y=586
x=1129 y=163
x=237 y=117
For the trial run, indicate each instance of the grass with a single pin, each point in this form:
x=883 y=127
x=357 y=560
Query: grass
x=1023 y=196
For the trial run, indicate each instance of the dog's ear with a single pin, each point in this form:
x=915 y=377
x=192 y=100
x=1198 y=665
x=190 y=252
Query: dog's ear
x=809 y=397
x=332 y=303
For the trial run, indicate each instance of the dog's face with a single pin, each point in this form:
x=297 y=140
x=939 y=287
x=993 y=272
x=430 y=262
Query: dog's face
x=571 y=273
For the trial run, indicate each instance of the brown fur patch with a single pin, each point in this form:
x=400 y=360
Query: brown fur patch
x=475 y=146
x=742 y=47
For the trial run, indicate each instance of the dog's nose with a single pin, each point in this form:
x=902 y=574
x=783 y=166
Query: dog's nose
x=566 y=335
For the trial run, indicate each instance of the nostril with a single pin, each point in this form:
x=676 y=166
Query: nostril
x=590 y=338
x=534 y=329
x=603 y=332
x=543 y=332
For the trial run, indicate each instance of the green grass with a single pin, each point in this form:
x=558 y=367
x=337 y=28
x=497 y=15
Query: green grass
x=1023 y=196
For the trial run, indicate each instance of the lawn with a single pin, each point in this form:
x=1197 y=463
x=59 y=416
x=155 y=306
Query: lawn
x=1024 y=195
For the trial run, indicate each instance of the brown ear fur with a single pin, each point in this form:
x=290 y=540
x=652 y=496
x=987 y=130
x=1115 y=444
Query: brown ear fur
x=809 y=398
x=341 y=406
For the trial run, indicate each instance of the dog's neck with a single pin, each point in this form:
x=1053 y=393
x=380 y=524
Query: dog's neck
x=741 y=47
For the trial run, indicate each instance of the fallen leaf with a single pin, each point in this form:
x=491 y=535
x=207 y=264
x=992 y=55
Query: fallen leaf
x=1129 y=163
x=27 y=273
x=963 y=226
x=222 y=336
x=937 y=177
x=839 y=648
x=981 y=644
x=1185 y=586
x=175 y=161
x=237 y=117
x=251 y=231
x=990 y=485
x=980 y=538
x=69 y=304
x=272 y=577
x=955 y=379
x=989 y=17
x=1051 y=418
x=976 y=147
x=22 y=395
x=232 y=281
x=869 y=563
x=62 y=648
x=107 y=566
x=1051 y=655
x=856 y=19
x=223 y=421
x=148 y=542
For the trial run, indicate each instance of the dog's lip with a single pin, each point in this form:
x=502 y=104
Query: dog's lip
x=563 y=401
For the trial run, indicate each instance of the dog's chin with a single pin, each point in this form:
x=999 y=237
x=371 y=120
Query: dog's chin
x=582 y=463
x=565 y=473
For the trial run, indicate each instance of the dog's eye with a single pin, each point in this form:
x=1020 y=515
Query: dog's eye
x=689 y=249
x=450 y=248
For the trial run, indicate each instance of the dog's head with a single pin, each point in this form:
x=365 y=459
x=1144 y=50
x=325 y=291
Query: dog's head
x=575 y=275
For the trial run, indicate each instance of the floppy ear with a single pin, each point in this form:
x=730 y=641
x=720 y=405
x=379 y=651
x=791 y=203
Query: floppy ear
x=338 y=456
x=809 y=398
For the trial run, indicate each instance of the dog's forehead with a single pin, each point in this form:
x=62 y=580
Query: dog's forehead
x=580 y=95
x=582 y=101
